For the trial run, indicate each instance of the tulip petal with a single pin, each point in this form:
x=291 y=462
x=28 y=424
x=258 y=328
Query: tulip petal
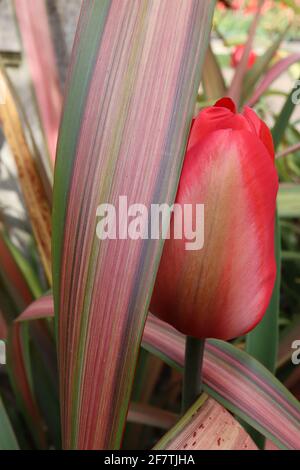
x=226 y=102
x=261 y=129
x=220 y=116
x=223 y=290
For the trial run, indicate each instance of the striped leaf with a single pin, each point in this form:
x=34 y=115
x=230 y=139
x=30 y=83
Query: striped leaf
x=261 y=64
x=19 y=371
x=262 y=342
x=30 y=181
x=41 y=308
x=272 y=74
x=13 y=268
x=36 y=40
x=237 y=381
x=206 y=426
x=133 y=83
x=237 y=85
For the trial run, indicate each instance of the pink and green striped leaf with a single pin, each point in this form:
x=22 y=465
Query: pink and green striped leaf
x=237 y=381
x=19 y=369
x=260 y=66
x=132 y=87
x=236 y=87
x=232 y=377
x=272 y=74
x=36 y=39
x=206 y=426
x=13 y=268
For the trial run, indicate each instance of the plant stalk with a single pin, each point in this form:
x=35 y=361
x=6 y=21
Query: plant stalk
x=192 y=377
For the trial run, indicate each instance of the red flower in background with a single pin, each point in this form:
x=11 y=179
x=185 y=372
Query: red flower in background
x=237 y=55
x=250 y=6
x=223 y=290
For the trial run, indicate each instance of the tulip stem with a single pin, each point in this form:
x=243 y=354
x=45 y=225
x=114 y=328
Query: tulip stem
x=192 y=377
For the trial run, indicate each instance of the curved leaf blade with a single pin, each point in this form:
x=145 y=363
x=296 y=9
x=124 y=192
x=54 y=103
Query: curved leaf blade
x=272 y=74
x=237 y=381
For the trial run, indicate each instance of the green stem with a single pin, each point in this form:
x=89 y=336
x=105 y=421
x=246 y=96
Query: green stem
x=192 y=378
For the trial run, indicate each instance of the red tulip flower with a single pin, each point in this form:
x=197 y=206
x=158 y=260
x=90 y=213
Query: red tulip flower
x=237 y=55
x=222 y=290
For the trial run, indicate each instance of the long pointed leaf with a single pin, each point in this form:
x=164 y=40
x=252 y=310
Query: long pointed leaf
x=30 y=181
x=231 y=376
x=36 y=39
x=262 y=342
x=134 y=78
x=237 y=381
x=20 y=377
x=274 y=72
x=236 y=86
x=254 y=74
x=212 y=78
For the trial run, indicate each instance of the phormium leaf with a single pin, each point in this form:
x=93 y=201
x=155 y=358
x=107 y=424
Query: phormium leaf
x=231 y=376
x=133 y=83
x=237 y=381
x=36 y=40
x=206 y=426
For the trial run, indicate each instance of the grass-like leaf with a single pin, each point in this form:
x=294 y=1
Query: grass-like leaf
x=237 y=381
x=260 y=66
x=29 y=177
x=12 y=277
x=36 y=40
x=212 y=77
x=274 y=72
x=134 y=77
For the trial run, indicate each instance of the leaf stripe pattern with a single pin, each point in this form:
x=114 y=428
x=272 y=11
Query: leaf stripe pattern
x=264 y=402
x=135 y=72
x=237 y=381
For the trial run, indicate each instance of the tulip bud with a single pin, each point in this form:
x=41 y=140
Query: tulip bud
x=237 y=54
x=222 y=290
